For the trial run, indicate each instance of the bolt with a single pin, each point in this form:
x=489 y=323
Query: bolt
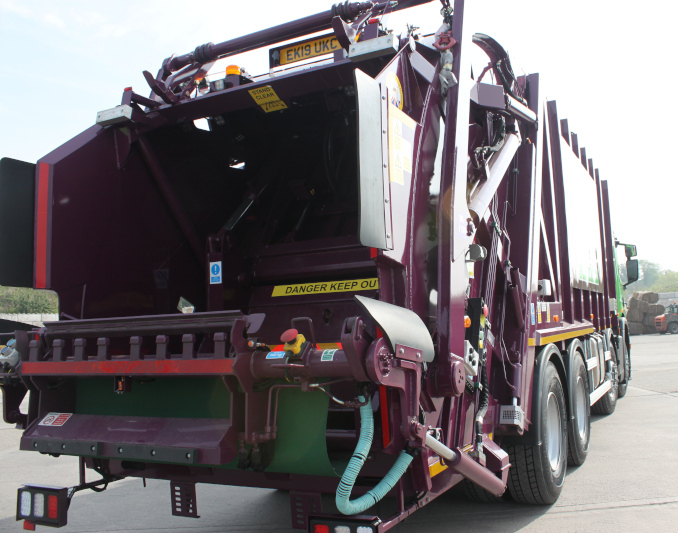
x=188 y=456
x=63 y=446
x=402 y=350
x=383 y=98
x=418 y=355
x=384 y=165
x=383 y=131
x=93 y=448
x=152 y=452
x=386 y=200
x=35 y=445
x=119 y=450
x=388 y=235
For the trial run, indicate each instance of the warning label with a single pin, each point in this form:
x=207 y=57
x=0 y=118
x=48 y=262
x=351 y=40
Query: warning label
x=267 y=98
x=215 y=272
x=55 y=419
x=327 y=355
x=326 y=286
x=400 y=138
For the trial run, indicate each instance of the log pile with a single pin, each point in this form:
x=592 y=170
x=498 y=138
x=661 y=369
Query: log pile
x=643 y=308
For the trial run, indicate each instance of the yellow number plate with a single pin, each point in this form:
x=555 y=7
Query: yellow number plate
x=309 y=49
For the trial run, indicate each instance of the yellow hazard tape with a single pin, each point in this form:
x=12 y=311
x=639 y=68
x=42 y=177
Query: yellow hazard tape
x=322 y=287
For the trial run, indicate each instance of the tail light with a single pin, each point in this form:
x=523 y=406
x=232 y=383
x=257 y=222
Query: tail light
x=42 y=505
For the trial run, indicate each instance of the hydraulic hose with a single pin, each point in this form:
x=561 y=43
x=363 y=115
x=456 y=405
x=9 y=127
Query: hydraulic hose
x=364 y=502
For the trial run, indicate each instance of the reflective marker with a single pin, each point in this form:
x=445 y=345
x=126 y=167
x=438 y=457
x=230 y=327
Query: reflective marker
x=342 y=529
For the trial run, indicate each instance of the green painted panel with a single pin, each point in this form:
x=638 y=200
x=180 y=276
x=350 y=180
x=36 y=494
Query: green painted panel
x=178 y=397
x=300 y=446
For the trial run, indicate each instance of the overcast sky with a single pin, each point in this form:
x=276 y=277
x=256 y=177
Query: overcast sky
x=607 y=65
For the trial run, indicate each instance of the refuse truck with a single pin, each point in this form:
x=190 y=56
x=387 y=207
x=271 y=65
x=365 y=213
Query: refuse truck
x=368 y=274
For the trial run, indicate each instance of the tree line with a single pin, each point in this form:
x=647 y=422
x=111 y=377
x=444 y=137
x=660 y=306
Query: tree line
x=652 y=278
x=27 y=301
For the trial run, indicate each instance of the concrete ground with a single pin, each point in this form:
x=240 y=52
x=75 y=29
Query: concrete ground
x=628 y=483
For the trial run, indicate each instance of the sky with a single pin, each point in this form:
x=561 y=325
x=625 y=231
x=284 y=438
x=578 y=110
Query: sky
x=606 y=64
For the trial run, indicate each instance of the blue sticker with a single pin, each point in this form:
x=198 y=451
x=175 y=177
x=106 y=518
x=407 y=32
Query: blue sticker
x=215 y=272
x=275 y=355
x=532 y=312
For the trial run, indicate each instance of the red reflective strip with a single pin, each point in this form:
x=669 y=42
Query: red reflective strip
x=41 y=227
x=166 y=366
x=52 y=507
x=29 y=526
x=373 y=253
x=383 y=407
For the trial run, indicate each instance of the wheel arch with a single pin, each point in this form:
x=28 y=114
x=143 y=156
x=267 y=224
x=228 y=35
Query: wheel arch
x=549 y=353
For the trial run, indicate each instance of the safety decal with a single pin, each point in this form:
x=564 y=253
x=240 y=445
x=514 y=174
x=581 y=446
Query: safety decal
x=395 y=90
x=267 y=98
x=275 y=355
x=215 y=272
x=327 y=355
x=55 y=419
x=548 y=312
x=401 y=133
x=322 y=287
x=532 y=312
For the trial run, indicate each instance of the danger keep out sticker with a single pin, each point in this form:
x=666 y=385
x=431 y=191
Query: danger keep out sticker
x=55 y=419
x=326 y=286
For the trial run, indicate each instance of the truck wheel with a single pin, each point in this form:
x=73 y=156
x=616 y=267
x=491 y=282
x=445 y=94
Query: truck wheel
x=607 y=404
x=476 y=493
x=623 y=385
x=579 y=426
x=673 y=328
x=538 y=471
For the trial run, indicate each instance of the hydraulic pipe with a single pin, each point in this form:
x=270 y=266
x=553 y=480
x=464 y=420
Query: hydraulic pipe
x=310 y=366
x=289 y=30
x=467 y=467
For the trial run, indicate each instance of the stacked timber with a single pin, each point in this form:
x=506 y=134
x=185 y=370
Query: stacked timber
x=643 y=308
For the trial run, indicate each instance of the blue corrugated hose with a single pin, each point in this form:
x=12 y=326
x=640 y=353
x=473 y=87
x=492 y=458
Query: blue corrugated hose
x=344 y=504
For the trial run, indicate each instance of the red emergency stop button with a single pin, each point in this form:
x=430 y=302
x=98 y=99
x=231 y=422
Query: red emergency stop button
x=289 y=336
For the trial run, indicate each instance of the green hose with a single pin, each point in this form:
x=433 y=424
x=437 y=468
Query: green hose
x=344 y=504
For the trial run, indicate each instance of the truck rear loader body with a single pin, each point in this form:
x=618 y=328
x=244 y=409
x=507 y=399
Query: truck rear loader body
x=393 y=277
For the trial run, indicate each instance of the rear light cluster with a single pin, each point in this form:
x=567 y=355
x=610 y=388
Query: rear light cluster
x=42 y=505
x=321 y=525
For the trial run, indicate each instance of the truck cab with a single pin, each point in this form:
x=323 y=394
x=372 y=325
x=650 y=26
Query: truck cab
x=668 y=321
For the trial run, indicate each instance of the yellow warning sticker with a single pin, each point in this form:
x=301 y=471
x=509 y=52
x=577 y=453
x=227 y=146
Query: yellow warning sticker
x=401 y=130
x=322 y=287
x=267 y=98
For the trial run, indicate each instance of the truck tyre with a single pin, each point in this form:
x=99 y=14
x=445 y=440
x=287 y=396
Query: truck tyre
x=623 y=385
x=579 y=426
x=608 y=402
x=476 y=493
x=673 y=328
x=538 y=471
